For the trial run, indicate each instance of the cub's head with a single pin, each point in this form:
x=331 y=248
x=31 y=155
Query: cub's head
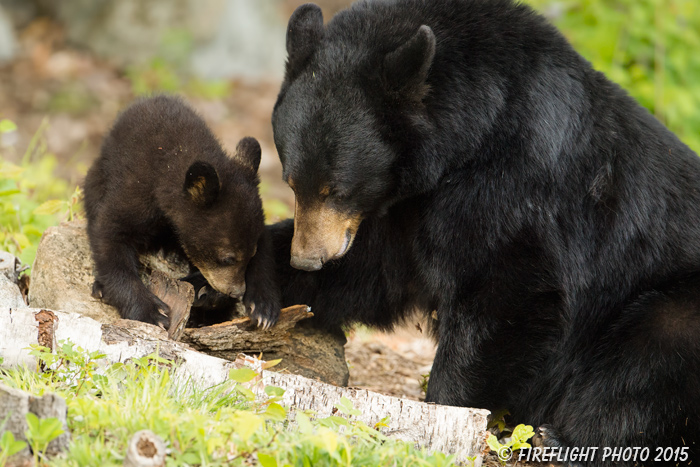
x=222 y=217
x=343 y=119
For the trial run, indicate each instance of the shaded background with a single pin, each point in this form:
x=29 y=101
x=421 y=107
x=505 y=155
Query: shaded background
x=67 y=67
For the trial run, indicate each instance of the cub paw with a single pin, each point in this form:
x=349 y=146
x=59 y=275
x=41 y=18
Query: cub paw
x=153 y=311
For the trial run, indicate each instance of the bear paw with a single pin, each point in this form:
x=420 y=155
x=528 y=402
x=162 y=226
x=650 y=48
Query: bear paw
x=153 y=311
x=264 y=313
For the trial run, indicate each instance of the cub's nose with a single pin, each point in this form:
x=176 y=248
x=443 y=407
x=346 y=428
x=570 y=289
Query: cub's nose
x=237 y=290
x=306 y=264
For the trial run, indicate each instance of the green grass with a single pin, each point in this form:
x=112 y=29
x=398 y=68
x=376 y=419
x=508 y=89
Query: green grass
x=222 y=425
x=32 y=197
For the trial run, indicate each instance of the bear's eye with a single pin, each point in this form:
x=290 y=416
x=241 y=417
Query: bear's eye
x=228 y=260
x=340 y=196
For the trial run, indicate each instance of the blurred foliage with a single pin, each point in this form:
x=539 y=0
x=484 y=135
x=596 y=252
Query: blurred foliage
x=72 y=98
x=169 y=71
x=649 y=47
x=275 y=210
x=32 y=197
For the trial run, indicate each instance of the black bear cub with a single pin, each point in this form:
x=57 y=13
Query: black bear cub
x=162 y=180
x=458 y=157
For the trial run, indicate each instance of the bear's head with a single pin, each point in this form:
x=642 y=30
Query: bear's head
x=342 y=122
x=222 y=218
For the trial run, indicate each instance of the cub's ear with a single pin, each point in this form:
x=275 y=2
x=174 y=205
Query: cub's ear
x=304 y=32
x=248 y=152
x=406 y=68
x=202 y=184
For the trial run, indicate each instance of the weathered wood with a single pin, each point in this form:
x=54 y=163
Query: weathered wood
x=10 y=292
x=449 y=429
x=243 y=331
x=145 y=449
x=178 y=295
x=16 y=404
x=442 y=428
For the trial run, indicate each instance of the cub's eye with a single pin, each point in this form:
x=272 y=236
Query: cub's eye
x=228 y=260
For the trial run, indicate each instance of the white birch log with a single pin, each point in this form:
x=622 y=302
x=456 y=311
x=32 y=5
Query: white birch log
x=453 y=430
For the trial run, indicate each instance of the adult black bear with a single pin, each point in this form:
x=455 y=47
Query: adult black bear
x=163 y=180
x=460 y=156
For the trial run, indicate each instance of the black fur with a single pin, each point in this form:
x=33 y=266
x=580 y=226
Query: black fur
x=163 y=181
x=552 y=222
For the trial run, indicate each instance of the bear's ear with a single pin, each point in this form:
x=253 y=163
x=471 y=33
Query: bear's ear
x=304 y=32
x=406 y=68
x=202 y=184
x=248 y=153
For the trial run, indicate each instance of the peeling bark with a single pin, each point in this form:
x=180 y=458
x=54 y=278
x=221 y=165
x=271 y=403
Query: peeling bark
x=457 y=430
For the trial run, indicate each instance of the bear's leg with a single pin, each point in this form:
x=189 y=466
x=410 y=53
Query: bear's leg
x=118 y=281
x=453 y=380
x=262 y=298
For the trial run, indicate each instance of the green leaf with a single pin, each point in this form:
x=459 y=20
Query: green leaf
x=276 y=412
x=333 y=421
x=304 y=423
x=245 y=424
x=10 y=192
x=8 y=446
x=7 y=126
x=32 y=423
x=274 y=391
x=345 y=406
x=242 y=375
x=270 y=363
x=522 y=433
x=266 y=460
x=493 y=443
x=48 y=208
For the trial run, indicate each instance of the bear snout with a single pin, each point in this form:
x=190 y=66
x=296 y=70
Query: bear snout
x=306 y=264
x=321 y=234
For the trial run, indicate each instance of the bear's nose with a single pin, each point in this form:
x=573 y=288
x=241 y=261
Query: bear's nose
x=306 y=264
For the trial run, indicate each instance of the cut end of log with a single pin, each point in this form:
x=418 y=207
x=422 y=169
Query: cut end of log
x=145 y=449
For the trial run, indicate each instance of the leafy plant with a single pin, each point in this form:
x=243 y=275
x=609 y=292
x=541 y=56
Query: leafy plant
x=225 y=424
x=9 y=447
x=518 y=440
x=40 y=432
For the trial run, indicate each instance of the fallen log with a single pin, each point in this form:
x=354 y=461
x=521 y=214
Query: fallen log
x=63 y=276
x=455 y=430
